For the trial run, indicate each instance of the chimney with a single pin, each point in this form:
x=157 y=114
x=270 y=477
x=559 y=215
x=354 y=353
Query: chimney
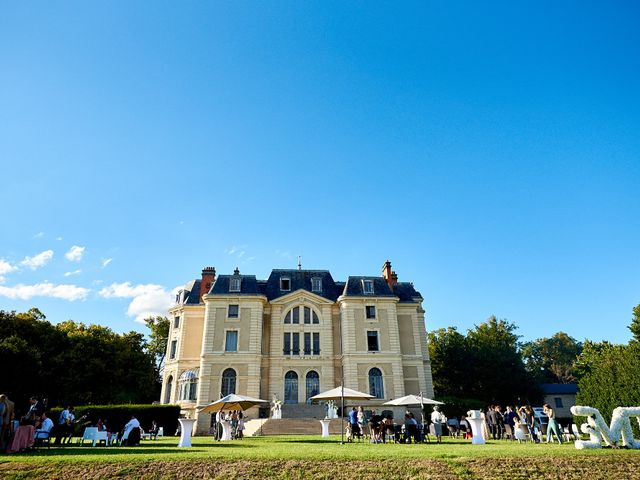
x=389 y=275
x=208 y=277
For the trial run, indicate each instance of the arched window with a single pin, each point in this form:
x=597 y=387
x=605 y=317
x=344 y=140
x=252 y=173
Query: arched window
x=167 y=390
x=312 y=385
x=308 y=315
x=291 y=387
x=228 y=382
x=188 y=384
x=376 y=386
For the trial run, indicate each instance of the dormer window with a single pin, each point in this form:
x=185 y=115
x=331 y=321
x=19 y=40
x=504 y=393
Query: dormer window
x=316 y=285
x=367 y=287
x=180 y=297
x=234 y=285
x=285 y=284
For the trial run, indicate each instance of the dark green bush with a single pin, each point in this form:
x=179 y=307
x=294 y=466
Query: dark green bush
x=117 y=416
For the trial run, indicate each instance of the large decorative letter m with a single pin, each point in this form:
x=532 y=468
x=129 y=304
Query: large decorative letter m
x=598 y=430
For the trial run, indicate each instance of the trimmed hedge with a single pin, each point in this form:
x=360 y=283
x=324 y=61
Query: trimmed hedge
x=117 y=416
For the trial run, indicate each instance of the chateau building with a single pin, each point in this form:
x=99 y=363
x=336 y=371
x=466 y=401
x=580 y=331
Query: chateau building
x=294 y=335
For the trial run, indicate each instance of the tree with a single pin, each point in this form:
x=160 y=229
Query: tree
x=551 y=360
x=159 y=335
x=72 y=362
x=485 y=365
x=610 y=376
x=450 y=362
x=500 y=375
x=635 y=323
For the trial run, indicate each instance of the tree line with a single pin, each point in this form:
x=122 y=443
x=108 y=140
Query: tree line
x=74 y=363
x=490 y=365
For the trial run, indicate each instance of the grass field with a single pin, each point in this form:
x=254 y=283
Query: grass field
x=301 y=457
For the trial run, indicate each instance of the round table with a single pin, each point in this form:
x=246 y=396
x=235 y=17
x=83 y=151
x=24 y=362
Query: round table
x=226 y=430
x=325 y=427
x=475 y=419
x=186 y=429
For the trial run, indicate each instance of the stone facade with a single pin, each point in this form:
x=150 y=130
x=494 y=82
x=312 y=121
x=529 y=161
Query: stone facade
x=294 y=335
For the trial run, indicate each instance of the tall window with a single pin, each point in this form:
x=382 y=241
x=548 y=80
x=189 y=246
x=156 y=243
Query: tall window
x=188 y=384
x=371 y=311
x=376 y=386
x=312 y=385
x=291 y=344
x=316 y=285
x=312 y=343
x=231 y=343
x=367 y=287
x=176 y=322
x=228 y=382
x=291 y=387
x=168 y=388
x=372 y=341
x=174 y=347
x=286 y=344
x=316 y=343
x=295 y=344
x=307 y=343
x=233 y=311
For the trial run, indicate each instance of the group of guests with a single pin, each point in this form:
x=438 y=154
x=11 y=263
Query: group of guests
x=61 y=428
x=234 y=418
x=517 y=423
x=378 y=428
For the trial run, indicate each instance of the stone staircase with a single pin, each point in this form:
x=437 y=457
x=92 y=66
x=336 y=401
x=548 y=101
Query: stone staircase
x=291 y=426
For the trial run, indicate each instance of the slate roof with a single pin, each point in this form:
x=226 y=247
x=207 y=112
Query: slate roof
x=406 y=292
x=355 y=287
x=301 y=279
x=192 y=291
x=248 y=285
x=559 y=388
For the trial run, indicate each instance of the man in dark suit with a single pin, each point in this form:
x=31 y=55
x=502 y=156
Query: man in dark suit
x=35 y=410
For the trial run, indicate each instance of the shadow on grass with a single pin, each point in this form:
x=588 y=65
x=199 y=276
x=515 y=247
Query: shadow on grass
x=155 y=450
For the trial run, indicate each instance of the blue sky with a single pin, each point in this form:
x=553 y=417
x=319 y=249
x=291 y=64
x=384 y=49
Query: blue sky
x=491 y=151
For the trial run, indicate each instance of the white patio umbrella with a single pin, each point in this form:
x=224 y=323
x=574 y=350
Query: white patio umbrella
x=413 y=400
x=341 y=393
x=232 y=402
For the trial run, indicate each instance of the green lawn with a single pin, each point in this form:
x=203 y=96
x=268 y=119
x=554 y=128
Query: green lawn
x=291 y=457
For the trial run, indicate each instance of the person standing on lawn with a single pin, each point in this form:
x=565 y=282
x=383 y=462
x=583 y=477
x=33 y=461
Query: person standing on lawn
x=552 y=427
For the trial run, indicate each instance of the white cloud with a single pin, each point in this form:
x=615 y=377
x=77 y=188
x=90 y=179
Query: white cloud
x=6 y=267
x=75 y=253
x=39 y=235
x=106 y=261
x=75 y=272
x=58 y=238
x=236 y=250
x=46 y=289
x=37 y=261
x=147 y=300
x=2 y=279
